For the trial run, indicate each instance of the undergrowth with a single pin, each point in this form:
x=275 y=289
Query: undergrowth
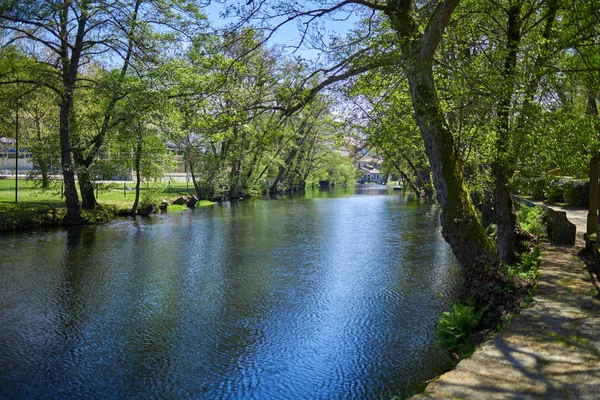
x=527 y=268
x=455 y=328
x=531 y=219
x=466 y=325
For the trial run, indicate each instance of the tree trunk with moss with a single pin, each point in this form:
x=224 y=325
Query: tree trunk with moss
x=460 y=227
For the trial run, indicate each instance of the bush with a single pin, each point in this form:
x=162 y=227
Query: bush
x=534 y=187
x=554 y=190
x=576 y=192
x=455 y=329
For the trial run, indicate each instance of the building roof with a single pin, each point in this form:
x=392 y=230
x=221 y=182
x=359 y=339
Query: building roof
x=368 y=170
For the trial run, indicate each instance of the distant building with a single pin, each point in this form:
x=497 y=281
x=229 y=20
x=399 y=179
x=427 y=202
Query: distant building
x=8 y=154
x=372 y=175
x=369 y=164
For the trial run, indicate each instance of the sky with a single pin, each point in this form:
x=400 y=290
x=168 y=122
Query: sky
x=287 y=35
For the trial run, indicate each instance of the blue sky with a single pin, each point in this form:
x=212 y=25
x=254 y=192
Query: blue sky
x=288 y=34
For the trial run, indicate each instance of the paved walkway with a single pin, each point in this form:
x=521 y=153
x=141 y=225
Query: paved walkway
x=551 y=350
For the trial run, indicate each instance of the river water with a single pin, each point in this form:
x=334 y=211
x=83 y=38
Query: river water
x=331 y=295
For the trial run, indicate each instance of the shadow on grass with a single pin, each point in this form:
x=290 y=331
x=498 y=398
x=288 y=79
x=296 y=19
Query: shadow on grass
x=30 y=215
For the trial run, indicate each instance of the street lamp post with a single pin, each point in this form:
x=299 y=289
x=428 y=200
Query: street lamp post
x=17 y=148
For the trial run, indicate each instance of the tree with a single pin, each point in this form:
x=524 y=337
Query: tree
x=387 y=118
x=299 y=144
x=417 y=31
x=40 y=132
x=65 y=36
x=501 y=52
x=234 y=134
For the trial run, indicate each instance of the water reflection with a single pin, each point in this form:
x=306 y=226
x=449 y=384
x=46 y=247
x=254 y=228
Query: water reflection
x=330 y=295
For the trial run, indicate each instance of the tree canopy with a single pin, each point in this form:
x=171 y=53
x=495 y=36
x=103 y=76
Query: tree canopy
x=465 y=100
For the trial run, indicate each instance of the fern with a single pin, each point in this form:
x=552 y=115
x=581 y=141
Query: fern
x=455 y=329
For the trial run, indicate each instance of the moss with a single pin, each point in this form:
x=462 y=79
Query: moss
x=569 y=341
x=100 y=215
x=176 y=207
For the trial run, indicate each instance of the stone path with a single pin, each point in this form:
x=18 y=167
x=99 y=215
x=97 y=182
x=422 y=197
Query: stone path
x=550 y=351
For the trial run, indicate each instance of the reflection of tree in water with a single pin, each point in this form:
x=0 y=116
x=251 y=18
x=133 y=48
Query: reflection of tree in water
x=70 y=311
x=75 y=262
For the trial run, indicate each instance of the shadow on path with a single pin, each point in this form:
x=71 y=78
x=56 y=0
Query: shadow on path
x=550 y=351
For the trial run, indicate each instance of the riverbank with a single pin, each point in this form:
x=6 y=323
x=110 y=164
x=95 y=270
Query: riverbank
x=38 y=209
x=551 y=350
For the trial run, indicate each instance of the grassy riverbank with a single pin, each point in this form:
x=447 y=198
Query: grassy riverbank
x=38 y=208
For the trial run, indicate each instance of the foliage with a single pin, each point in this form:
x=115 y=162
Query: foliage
x=383 y=111
x=455 y=328
x=527 y=268
x=576 y=192
x=335 y=169
x=534 y=186
x=99 y=215
x=150 y=197
x=531 y=219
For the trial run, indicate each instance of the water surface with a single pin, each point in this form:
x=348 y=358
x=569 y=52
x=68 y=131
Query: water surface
x=331 y=295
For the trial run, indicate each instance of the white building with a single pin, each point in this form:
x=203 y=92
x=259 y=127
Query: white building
x=8 y=155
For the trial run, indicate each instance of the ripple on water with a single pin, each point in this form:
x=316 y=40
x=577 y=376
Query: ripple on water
x=324 y=298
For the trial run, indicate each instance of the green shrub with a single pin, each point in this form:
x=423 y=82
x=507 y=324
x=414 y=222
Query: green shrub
x=554 y=190
x=455 y=329
x=576 y=192
x=535 y=187
x=148 y=200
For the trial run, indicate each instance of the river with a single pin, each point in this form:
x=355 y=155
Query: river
x=329 y=295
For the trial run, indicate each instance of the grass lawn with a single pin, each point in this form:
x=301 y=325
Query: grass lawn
x=36 y=205
x=108 y=193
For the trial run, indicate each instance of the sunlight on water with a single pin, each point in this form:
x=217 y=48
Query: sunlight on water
x=329 y=295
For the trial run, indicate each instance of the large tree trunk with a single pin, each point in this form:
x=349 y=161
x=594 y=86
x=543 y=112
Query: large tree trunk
x=86 y=188
x=505 y=217
x=460 y=226
x=70 y=67
x=84 y=157
x=73 y=216
x=509 y=232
